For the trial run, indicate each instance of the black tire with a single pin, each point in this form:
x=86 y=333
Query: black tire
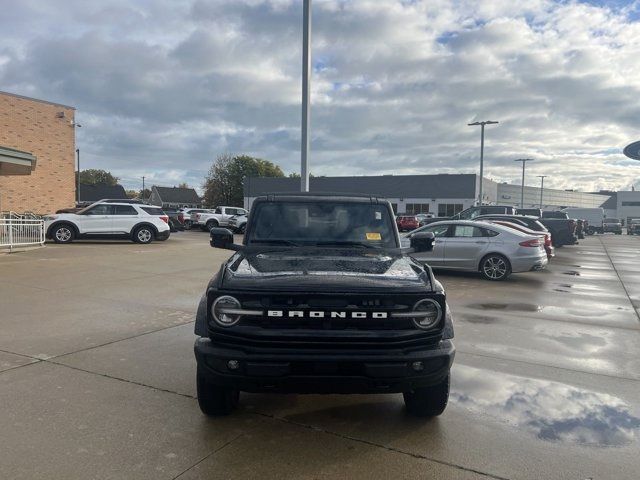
x=187 y=224
x=143 y=234
x=495 y=267
x=211 y=224
x=63 y=233
x=215 y=400
x=428 y=401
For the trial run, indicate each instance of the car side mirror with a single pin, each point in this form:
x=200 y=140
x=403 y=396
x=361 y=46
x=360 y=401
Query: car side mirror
x=222 y=238
x=422 y=241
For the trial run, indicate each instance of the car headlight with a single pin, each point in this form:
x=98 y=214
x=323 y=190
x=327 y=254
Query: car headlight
x=225 y=310
x=425 y=313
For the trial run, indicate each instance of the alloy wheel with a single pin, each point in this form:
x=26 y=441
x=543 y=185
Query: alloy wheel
x=495 y=268
x=144 y=235
x=63 y=234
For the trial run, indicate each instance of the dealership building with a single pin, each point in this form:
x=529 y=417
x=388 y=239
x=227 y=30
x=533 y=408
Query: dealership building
x=37 y=155
x=442 y=194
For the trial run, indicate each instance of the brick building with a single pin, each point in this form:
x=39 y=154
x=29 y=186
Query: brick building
x=44 y=130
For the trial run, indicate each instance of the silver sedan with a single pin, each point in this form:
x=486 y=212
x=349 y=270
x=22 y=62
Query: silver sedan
x=493 y=250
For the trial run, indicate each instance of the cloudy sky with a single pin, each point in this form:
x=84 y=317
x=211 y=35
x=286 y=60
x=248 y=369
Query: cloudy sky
x=162 y=87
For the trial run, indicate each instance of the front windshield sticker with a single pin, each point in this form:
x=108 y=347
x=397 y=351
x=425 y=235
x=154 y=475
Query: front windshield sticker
x=373 y=236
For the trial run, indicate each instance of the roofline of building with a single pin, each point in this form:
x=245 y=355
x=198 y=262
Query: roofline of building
x=24 y=97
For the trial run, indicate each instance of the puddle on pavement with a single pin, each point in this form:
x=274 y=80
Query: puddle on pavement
x=550 y=410
x=517 y=307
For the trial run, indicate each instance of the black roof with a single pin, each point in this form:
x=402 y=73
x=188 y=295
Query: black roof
x=177 y=195
x=93 y=193
x=403 y=186
x=318 y=197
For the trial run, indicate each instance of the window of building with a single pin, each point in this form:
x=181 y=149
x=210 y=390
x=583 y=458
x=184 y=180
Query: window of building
x=415 y=208
x=394 y=206
x=631 y=204
x=449 y=209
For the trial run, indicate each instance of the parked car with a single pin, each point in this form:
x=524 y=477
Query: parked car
x=473 y=212
x=187 y=212
x=321 y=299
x=138 y=222
x=406 y=223
x=594 y=216
x=531 y=212
x=532 y=223
x=562 y=228
x=613 y=225
x=176 y=219
x=548 y=245
x=219 y=217
x=423 y=217
x=494 y=250
x=633 y=226
x=238 y=223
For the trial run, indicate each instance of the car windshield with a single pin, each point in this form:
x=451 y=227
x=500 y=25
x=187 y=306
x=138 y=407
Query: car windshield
x=323 y=223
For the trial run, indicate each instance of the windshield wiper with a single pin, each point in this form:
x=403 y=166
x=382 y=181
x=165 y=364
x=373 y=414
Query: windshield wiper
x=345 y=243
x=275 y=241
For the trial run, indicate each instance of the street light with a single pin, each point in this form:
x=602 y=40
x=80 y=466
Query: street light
x=524 y=162
x=541 y=177
x=306 y=114
x=482 y=124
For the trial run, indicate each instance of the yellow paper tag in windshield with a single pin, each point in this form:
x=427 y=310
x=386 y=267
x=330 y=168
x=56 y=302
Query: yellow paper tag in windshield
x=373 y=236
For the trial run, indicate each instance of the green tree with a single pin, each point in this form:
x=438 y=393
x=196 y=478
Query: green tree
x=95 y=176
x=183 y=185
x=132 y=193
x=224 y=182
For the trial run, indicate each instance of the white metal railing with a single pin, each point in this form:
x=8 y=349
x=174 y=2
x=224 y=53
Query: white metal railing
x=21 y=232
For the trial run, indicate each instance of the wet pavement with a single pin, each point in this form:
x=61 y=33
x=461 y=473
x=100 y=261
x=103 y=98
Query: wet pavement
x=97 y=377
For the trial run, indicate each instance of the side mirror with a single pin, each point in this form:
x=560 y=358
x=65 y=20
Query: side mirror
x=222 y=238
x=422 y=241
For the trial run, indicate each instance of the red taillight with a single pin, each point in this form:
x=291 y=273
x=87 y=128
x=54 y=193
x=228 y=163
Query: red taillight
x=535 y=242
x=547 y=239
x=181 y=217
x=164 y=218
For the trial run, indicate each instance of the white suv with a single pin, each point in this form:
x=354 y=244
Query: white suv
x=109 y=219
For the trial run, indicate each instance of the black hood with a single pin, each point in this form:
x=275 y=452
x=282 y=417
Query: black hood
x=325 y=270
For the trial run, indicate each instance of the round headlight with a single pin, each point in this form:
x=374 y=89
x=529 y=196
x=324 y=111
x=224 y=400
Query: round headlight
x=429 y=313
x=224 y=311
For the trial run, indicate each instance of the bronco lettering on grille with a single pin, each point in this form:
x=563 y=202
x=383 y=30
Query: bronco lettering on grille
x=323 y=314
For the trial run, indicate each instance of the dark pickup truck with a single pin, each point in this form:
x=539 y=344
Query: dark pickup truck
x=321 y=298
x=562 y=228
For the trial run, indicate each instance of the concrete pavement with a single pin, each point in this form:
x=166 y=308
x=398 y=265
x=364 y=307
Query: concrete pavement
x=97 y=377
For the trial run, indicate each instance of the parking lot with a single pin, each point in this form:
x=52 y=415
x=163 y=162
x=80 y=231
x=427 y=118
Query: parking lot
x=97 y=376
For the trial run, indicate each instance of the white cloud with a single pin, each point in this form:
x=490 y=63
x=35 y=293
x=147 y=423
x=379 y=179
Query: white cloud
x=163 y=87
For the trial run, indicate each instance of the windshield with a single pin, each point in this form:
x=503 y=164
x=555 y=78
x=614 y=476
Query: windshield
x=323 y=223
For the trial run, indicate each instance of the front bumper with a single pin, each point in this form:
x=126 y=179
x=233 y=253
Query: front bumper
x=323 y=372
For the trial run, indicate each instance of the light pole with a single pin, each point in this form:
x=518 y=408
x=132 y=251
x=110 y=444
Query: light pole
x=306 y=113
x=78 y=179
x=482 y=124
x=524 y=162
x=541 y=177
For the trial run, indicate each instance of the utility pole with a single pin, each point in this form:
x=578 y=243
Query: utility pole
x=524 y=162
x=306 y=106
x=541 y=177
x=78 y=179
x=482 y=124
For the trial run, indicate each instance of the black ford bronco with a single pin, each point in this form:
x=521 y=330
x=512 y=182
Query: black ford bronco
x=320 y=298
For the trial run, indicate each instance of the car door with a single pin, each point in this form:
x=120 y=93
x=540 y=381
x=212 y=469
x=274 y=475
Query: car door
x=464 y=247
x=97 y=220
x=435 y=257
x=124 y=218
x=227 y=213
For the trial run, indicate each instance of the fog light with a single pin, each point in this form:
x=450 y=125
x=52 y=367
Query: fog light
x=233 y=364
x=417 y=366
